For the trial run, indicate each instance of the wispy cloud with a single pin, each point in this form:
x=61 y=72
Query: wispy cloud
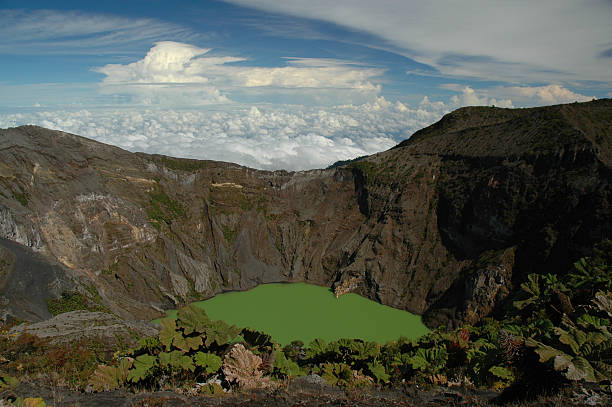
x=511 y=41
x=74 y=32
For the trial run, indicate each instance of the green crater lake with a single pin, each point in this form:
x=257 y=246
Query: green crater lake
x=303 y=311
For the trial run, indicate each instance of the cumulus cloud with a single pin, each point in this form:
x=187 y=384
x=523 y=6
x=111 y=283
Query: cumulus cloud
x=508 y=96
x=172 y=71
x=291 y=137
x=543 y=95
x=170 y=74
x=470 y=97
x=521 y=40
x=166 y=62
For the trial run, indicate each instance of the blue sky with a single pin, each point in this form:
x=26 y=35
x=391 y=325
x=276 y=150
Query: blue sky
x=291 y=84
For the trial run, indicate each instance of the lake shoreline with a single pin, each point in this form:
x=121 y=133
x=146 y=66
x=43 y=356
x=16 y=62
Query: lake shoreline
x=303 y=311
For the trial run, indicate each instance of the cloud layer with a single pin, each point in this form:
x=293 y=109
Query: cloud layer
x=293 y=137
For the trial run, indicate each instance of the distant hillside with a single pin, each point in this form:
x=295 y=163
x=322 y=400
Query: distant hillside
x=441 y=225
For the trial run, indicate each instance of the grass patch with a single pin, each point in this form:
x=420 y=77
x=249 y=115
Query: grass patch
x=230 y=233
x=75 y=301
x=68 y=301
x=21 y=198
x=111 y=270
x=162 y=209
x=374 y=174
x=4 y=266
x=367 y=169
x=180 y=164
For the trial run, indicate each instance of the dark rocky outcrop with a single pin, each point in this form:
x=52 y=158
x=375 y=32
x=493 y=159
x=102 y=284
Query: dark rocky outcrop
x=445 y=224
x=28 y=280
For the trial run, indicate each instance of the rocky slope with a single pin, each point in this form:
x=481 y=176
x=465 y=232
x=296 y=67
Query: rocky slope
x=442 y=225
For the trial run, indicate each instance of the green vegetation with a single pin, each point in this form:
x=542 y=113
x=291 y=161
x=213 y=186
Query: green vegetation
x=230 y=233
x=193 y=348
x=111 y=270
x=245 y=203
x=6 y=381
x=187 y=349
x=345 y=162
x=180 y=164
x=262 y=205
x=21 y=198
x=68 y=301
x=304 y=312
x=4 y=267
x=163 y=210
x=74 y=301
x=379 y=174
x=367 y=169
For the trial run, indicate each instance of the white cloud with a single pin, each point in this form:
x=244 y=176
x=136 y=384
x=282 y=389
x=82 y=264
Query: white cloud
x=311 y=73
x=170 y=74
x=72 y=32
x=467 y=96
x=176 y=74
x=543 y=95
x=470 y=97
x=521 y=40
x=508 y=96
x=166 y=62
x=291 y=137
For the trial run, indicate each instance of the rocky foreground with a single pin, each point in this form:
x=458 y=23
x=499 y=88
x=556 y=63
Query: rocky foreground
x=306 y=392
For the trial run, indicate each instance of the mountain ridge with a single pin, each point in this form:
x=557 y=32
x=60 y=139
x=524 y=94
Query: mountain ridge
x=440 y=225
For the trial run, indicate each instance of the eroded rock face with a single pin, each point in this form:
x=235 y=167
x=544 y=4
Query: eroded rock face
x=411 y=227
x=477 y=292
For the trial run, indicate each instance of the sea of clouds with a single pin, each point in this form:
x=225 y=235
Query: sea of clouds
x=273 y=136
x=263 y=137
